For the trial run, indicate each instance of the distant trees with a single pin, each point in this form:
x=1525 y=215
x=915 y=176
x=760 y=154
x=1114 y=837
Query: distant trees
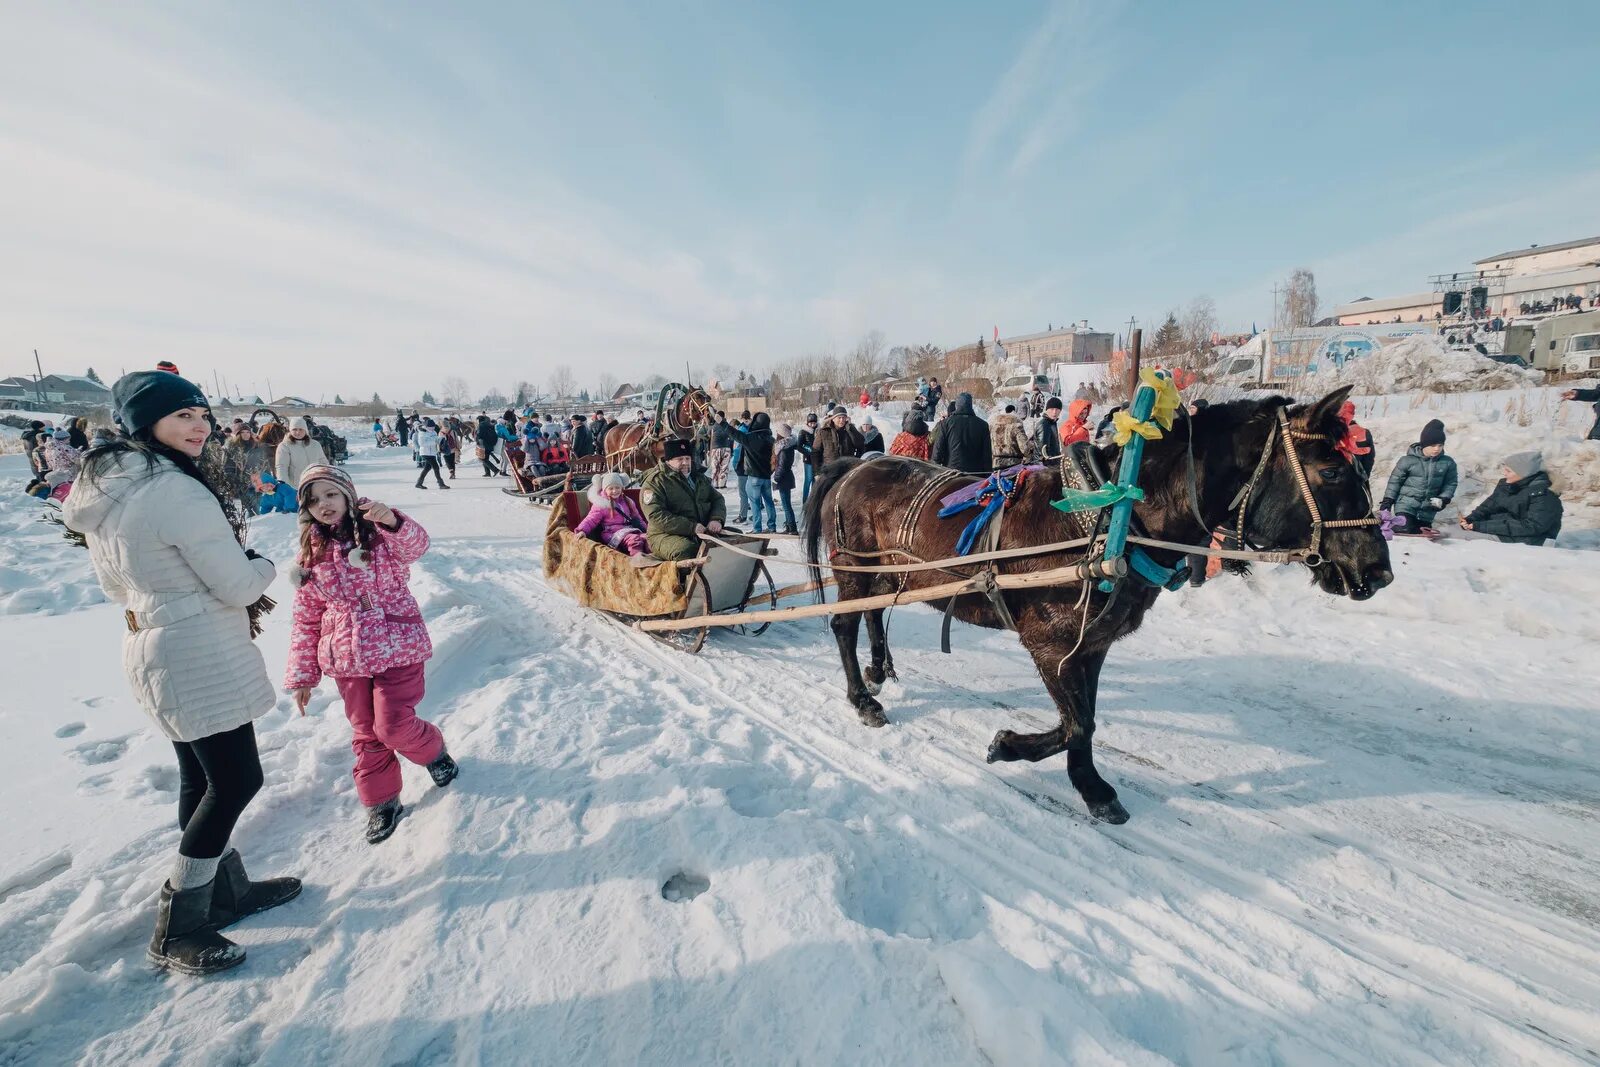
x=608 y=386
x=494 y=398
x=338 y=400
x=428 y=400
x=376 y=399
x=562 y=383
x=1300 y=299
x=454 y=393
x=92 y=376
x=527 y=393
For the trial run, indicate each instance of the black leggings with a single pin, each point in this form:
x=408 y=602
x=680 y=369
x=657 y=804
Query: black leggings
x=489 y=465
x=217 y=777
x=430 y=463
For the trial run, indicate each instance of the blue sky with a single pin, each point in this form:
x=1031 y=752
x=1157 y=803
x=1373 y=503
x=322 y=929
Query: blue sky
x=348 y=197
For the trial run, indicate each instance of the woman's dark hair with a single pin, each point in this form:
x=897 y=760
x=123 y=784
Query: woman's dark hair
x=142 y=443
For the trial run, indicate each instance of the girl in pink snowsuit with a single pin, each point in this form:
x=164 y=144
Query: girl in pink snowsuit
x=356 y=621
x=613 y=519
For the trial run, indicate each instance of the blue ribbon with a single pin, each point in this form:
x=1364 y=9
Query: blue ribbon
x=1001 y=487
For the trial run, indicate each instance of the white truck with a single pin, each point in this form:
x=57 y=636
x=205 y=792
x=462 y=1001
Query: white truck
x=1278 y=358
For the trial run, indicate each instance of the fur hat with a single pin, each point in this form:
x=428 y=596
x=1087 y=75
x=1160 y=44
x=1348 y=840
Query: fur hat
x=677 y=446
x=1524 y=464
x=1432 y=434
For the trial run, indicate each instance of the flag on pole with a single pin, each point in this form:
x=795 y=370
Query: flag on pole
x=997 y=335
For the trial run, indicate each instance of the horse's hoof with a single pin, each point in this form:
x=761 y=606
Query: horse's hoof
x=871 y=713
x=872 y=685
x=1000 y=749
x=1110 y=811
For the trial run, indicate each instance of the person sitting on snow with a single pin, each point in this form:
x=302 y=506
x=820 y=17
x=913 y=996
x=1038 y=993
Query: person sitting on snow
x=1522 y=510
x=680 y=504
x=276 y=495
x=1423 y=481
x=615 y=520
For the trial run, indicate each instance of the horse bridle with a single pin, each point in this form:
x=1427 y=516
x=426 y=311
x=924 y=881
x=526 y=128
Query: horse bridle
x=1311 y=554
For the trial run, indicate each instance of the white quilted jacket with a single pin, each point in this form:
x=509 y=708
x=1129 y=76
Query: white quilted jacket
x=164 y=550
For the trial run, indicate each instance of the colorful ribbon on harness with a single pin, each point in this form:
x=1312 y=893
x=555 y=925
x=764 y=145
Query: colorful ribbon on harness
x=1093 y=499
x=993 y=494
x=1162 y=413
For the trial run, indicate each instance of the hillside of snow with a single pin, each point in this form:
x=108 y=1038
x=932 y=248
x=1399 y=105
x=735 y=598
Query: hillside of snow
x=1361 y=834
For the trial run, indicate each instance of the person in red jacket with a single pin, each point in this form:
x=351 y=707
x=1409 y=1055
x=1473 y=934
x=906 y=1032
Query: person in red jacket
x=1075 y=427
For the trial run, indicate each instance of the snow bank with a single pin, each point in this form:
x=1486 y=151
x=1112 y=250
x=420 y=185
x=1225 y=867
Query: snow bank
x=1422 y=362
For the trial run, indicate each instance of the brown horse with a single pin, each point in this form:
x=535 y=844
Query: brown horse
x=635 y=447
x=1233 y=461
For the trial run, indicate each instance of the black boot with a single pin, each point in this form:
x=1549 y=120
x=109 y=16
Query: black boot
x=236 y=896
x=790 y=529
x=184 y=940
x=443 y=770
x=382 y=820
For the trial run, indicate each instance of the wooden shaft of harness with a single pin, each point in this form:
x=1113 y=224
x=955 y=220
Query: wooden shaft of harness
x=928 y=565
x=1079 y=572
x=796 y=589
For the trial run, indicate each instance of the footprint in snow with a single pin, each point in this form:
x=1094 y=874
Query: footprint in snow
x=683 y=887
x=72 y=729
x=95 y=752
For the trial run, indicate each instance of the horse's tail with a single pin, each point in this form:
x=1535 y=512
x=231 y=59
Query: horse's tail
x=826 y=482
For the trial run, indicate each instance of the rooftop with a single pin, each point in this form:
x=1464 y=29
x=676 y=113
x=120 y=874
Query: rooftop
x=1534 y=250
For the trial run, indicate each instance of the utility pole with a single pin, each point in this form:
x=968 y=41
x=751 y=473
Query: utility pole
x=1135 y=344
x=1277 y=317
x=38 y=381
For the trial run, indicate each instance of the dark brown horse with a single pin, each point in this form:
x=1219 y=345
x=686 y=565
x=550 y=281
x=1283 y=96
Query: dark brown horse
x=1239 y=453
x=635 y=447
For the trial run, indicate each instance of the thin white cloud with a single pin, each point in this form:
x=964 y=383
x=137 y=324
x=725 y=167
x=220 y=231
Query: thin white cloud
x=1039 y=101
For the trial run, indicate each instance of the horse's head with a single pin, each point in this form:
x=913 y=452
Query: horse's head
x=695 y=407
x=1306 y=494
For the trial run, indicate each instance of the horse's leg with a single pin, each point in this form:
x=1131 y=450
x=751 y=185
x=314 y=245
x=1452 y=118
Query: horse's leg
x=1074 y=689
x=882 y=662
x=846 y=630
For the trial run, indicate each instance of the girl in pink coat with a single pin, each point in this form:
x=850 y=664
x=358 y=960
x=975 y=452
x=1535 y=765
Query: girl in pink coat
x=613 y=519
x=356 y=621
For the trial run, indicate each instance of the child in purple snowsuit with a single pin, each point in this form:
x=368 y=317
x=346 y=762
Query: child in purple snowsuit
x=614 y=519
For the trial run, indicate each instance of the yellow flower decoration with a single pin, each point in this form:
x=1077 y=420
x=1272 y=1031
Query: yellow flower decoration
x=1167 y=399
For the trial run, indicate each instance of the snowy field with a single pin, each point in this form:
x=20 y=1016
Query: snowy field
x=1362 y=833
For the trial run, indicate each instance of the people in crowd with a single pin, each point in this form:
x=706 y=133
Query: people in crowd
x=1075 y=428
x=1008 y=441
x=298 y=452
x=1363 y=455
x=935 y=394
x=837 y=438
x=615 y=520
x=962 y=440
x=582 y=440
x=401 y=428
x=741 y=426
x=785 y=446
x=245 y=460
x=356 y=621
x=809 y=457
x=30 y=442
x=78 y=433
x=721 y=455
x=1047 y=435
x=428 y=452
x=912 y=440
x=1423 y=482
x=681 y=504
x=166 y=545
x=1522 y=510
x=1587 y=396
x=449 y=445
x=488 y=440
x=274 y=495
x=755 y=472
x=871 y=438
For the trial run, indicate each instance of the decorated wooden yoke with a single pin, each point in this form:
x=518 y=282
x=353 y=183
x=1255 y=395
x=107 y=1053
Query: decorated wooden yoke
x=1155 y=406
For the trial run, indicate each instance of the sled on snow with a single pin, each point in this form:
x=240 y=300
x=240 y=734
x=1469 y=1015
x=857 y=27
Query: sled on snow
x=716 y=582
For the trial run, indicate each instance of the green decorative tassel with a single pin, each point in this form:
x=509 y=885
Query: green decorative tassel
x=1094 y=499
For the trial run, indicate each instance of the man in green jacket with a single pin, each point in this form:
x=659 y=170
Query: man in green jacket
x=680 y=504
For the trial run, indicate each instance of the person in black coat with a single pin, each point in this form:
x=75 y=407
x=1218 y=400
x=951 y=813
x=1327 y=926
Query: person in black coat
x=962 y=440
x=787 y=445
x=401 y=428
x=755 y=472
x=1048 y=434
x=871 y=439
x=1522 y=510
x=487 y=441
x=582 y=439
x=806 y=446
x=1587 y=396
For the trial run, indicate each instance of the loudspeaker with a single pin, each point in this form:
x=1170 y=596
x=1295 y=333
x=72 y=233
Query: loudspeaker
x=1452 y=303
x=1480 y=297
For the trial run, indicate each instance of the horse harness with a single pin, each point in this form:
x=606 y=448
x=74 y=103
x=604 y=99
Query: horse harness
x=1311 y=555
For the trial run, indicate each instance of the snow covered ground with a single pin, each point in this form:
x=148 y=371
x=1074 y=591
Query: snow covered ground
x=1362 y=833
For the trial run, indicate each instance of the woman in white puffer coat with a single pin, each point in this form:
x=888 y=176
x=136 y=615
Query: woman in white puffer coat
x=166 y=548
x=297 y=452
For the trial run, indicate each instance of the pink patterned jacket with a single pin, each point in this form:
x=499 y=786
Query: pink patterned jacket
x=355 y=622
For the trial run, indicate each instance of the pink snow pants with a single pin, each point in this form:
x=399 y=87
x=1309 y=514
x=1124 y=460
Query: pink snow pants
x=383 y=713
